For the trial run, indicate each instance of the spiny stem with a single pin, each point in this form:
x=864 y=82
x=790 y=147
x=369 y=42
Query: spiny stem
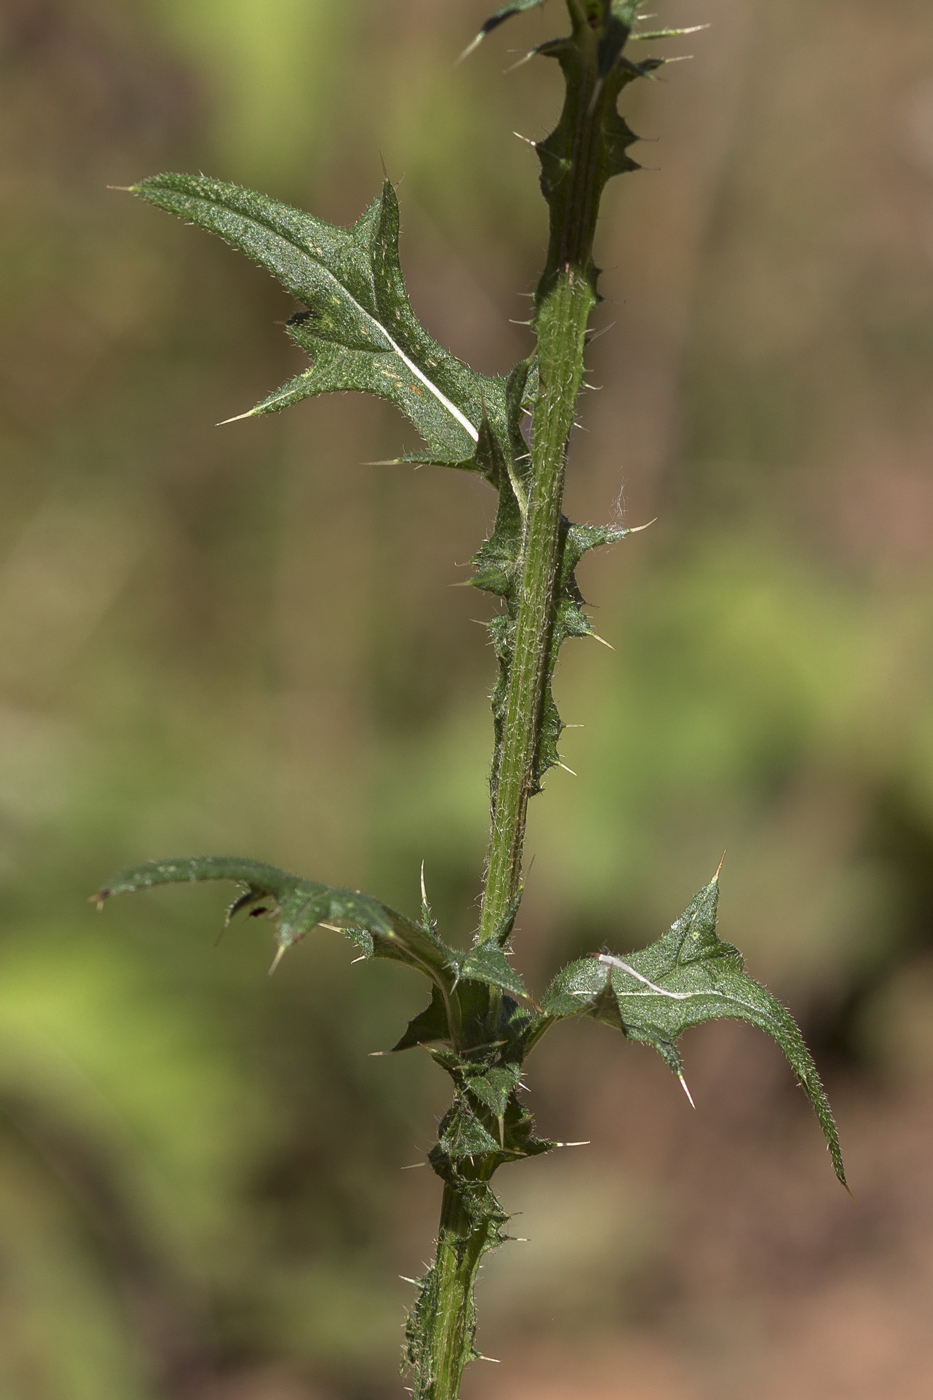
x=441 y=1334
x=461 y=1244
x=564 y=301
x=561 y=325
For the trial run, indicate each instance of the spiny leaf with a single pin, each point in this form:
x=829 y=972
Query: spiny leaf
x=296 y=905
x=359 y=328
x=687 y=977
x=495 y=1087
x=429 y=1026
x=461 y=1134
x=468 y=1000
x=488 y=963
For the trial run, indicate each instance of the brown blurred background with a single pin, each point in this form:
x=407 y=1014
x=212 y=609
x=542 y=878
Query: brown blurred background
x=241 y=639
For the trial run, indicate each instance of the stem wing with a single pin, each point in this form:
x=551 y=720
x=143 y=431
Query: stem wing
x=358 y=328
x=686 y=977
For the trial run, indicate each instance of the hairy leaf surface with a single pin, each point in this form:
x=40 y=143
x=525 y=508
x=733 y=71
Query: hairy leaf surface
x=462 y=980
x=687 y=977
x=295 y=905
x=359 y=328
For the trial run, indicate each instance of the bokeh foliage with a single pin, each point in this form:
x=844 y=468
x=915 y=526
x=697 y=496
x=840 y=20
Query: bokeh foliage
x=242 y=639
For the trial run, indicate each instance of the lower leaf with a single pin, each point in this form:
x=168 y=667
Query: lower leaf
x=687 y=977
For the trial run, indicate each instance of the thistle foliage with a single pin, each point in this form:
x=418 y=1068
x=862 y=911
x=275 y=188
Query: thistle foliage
x=356 y=325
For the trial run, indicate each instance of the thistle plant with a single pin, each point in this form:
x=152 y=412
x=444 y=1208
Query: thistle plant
x=358 y=328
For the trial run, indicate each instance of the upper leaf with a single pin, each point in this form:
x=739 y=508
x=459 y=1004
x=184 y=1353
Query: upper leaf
x=686 y=977
x=359 y=328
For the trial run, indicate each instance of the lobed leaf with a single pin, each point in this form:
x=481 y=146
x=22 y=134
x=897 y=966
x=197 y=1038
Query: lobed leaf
x=487 y=963
x=358 y=328
x=687 y=977
x=296 y=905
x=459 y=1007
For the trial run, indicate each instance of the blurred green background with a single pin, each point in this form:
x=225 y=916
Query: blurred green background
x=244 y=640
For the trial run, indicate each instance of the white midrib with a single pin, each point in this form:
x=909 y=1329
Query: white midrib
x=442 y=398
x=663 y=991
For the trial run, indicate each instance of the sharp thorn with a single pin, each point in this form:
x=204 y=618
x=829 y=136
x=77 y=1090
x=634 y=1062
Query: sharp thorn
x=566 y=769
x=237 y=418
x=718 y=868
x=683 y=1085
x=527 y=139
x=573 y=1144
x=470 y=48
x=519 y=63
x=278 y=957
x=596 y=637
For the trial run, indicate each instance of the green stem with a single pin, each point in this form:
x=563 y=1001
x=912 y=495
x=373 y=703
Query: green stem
x=442 y=1325
x=561 y=325
x=565 y=298
x=461 y=1244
